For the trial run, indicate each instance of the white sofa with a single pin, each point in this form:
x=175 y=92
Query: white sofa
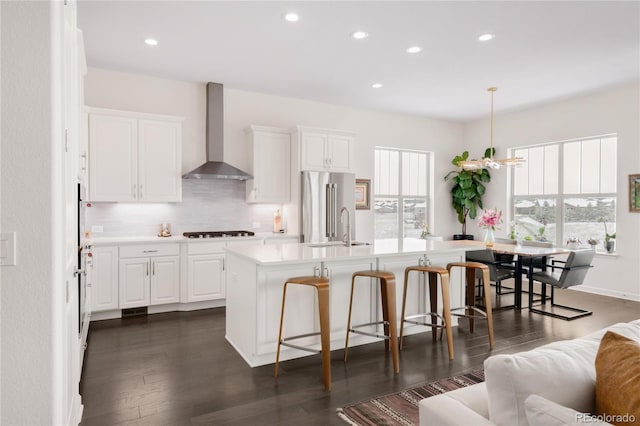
x=562 y=374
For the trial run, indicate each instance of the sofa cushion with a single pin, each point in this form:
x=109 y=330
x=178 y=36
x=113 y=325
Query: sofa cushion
x=618 y=378
x=563 y=372
x=466 y=405
x=542 y=412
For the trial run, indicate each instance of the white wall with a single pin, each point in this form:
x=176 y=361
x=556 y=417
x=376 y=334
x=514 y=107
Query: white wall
x=111 y=89
x=32 y=292
x=612 y=111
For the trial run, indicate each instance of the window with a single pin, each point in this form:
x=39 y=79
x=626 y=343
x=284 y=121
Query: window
x=566 y=190
x=401 y=193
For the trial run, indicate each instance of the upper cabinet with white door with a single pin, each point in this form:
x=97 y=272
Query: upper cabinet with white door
x=270 y=165
x=134 y=156
x=325 y=150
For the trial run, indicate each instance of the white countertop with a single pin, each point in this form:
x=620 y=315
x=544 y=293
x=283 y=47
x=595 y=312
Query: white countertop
x=300 y=253
x=138 y=239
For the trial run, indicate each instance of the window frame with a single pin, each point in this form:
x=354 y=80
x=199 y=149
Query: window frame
x=401 y=197
x=560 y=196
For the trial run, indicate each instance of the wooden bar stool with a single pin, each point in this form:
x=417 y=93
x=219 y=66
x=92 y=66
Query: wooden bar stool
x=469 y=310
x=388 y=298
x=432 y=272
x=321 y=285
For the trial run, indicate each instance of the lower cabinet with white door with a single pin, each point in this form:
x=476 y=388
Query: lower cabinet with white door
x=149 y=275
x=204 y=270
x=103 y=279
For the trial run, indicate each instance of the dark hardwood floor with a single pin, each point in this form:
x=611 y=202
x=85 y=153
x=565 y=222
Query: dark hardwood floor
x=178 y=369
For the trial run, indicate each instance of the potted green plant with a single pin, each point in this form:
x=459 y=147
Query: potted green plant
x=467 y=190
x=609 y=239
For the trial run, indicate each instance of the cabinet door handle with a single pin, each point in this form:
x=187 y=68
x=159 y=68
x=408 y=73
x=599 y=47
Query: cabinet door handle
x=153 y=268
x=134 y=191
x=84 y=161
x=140 y=190
x=223 y=264
x=148 y=268
x=149 y=251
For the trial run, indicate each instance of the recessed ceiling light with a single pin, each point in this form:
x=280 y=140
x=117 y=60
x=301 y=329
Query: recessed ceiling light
x=486 y=37
x=291 y=17
x=359 y=35
x=151 y=41
x=376 y=85
x=414 y=49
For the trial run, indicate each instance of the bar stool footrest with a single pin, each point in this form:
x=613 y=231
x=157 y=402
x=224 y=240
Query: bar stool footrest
x=283 y=342
x=410 y=319
x=379 y=336
x=480 y=313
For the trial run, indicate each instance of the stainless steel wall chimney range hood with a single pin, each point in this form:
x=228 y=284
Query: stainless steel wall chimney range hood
x=215 y=167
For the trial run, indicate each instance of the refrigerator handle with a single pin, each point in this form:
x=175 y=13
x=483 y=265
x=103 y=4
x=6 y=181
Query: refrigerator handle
x=327 y=217
x=334 y=204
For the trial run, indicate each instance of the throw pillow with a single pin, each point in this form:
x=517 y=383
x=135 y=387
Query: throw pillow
x=542 y=412
x=618 y=379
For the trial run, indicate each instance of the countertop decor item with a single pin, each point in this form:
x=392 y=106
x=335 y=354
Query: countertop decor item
x=488 y=162
x=489 y=220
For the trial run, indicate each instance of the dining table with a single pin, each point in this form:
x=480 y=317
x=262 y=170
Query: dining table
x=522 y=253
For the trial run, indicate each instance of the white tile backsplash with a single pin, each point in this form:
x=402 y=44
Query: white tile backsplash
x=207 y=205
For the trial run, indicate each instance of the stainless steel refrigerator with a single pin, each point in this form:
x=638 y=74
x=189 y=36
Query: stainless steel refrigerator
x=323 y=196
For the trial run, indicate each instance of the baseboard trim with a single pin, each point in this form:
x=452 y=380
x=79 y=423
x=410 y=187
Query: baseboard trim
x=606 y=292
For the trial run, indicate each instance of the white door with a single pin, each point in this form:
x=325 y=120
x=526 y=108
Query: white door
x=134 y=282
x=104 y=279
x=113 y=158
x=165 y=280
x=312 y=151
x=339 y=149
x=159 y=160
x=205 y=277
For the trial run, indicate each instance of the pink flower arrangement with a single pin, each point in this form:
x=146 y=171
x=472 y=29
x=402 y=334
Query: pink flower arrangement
x=490 y=219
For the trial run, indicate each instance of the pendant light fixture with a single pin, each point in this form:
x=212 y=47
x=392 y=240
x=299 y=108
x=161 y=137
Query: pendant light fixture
x=489 y=162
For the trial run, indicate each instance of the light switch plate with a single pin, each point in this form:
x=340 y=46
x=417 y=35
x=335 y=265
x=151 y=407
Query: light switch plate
x=97 y=228
x=7 y=249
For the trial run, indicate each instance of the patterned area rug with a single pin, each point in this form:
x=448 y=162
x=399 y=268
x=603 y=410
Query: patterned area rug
x=401 y=408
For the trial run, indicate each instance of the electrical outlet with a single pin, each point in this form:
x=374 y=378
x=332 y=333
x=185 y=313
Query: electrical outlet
x=256 y=225
x=97 y=228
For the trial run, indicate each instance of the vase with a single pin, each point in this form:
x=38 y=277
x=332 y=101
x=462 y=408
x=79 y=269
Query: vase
x=610 y=246
x=489 y=238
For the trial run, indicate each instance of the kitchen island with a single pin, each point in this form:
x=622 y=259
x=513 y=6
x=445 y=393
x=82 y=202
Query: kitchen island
x=255 y=276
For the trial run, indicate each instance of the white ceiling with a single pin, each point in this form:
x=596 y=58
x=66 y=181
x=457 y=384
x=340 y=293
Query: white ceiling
x=543 y=51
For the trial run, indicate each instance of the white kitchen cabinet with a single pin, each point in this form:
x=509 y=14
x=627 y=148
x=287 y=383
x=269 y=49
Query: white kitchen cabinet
x=325 y=150
x=165 y=280
x=134 y=282
x=204 y=276
x=103 y=279
x=149 y=275
x=134 y=157
x=270 y=165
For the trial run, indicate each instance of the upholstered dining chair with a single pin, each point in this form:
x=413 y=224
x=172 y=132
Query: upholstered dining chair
x=497 y=271
x=572 y=273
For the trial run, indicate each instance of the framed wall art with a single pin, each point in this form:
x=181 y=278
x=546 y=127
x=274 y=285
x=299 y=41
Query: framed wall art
x=634 y=193
x=363 y=194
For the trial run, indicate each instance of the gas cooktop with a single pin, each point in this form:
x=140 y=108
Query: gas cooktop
x=218 y=234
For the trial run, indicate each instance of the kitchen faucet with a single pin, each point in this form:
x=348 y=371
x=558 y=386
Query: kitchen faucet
x=347 y=237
